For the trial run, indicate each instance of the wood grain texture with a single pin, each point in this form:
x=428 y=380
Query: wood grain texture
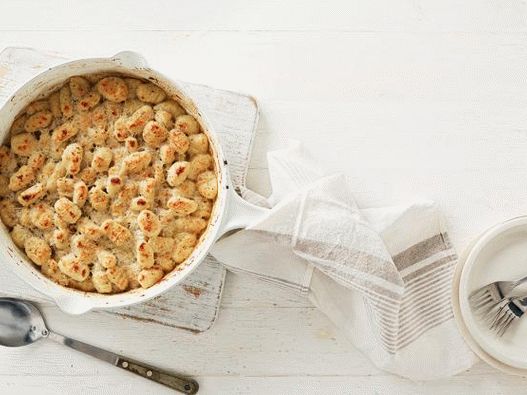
x=410 y=98
x=238 y=15
x=193 y=305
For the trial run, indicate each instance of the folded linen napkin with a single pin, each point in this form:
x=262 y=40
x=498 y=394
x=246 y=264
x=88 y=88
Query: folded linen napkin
x=383 y=275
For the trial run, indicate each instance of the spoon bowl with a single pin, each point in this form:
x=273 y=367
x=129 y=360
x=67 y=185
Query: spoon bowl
x=21 y=323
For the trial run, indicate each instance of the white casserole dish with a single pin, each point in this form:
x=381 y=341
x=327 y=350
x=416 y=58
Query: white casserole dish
x=229 y=212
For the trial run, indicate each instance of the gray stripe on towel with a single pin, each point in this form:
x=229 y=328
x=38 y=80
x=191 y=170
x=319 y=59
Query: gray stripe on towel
x=420 y=251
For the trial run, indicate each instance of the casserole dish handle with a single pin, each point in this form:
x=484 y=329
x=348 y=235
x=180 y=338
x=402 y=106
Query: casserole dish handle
x=72 y=304
x=130 y=59
x=241 y=214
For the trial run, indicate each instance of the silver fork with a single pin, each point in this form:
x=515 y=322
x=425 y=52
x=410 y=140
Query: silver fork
x=500 y=317
x=484 y=299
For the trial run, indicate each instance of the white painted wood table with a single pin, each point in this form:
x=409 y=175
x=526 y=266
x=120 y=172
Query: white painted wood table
x=409 y=97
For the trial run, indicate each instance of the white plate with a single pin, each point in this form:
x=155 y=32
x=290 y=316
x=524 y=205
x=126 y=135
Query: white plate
x=499 y=254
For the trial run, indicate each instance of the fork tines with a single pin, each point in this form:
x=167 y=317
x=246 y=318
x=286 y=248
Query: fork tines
x=501 y=316
x=485 y=298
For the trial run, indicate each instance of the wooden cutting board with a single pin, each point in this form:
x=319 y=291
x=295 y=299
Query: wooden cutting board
x=194 y=304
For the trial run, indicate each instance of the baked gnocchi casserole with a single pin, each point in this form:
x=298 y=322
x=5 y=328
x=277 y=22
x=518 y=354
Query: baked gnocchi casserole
x=107 y=184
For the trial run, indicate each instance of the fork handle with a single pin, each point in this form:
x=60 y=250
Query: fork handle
x=521 y=303
x=515 y=288
x=520 y=281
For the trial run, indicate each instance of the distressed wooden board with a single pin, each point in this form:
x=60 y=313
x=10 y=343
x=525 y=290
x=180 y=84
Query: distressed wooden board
x=194 y=304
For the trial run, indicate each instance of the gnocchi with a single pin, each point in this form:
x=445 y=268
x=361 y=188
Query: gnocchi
x=154 y=134
x=20 y=234
x=65 y=186
x=198 y=144
x=21 y=179
x=64 y=132
x=98 y=198
x=41 y=216
x=66 y=102
x=136 y=162
x=80 y=193
x=199 y=164
x=89 y=101
x=73 y=267
x=102 y=157
x=139 y=118
x=170 y=106
x=79 y=87
x=31 y=195
x=38 y=121
x=207 y=184
x=182 y=206
x=164 y=118
x=36 y=106
x=185 y=243
x=177 y=173
x=147 y=189
x=106 y=259
x=179 y=141
x=145 y=255
x=23 y=144
x=67 y=210
x=54 y=105
x=18 y=125
x=117 y=276
x=148 y=223
x=187 y=124
x=37 y=250
x=89 y=228
x=149 y=277
x=113 y=89
x=117 y=233
x=150 y=93
x=102 y=283
x=60 y=238
x=72 y=158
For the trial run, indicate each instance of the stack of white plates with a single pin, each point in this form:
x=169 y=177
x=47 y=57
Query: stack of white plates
x=498 y=254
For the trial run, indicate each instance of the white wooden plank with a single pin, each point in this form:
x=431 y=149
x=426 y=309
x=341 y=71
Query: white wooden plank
x=242 y=342
x=229 y=385
x=280 y=66
x=244 y=291
x=239 y=15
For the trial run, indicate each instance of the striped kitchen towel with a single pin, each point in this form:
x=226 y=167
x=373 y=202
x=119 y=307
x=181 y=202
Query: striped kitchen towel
x=383 y=276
